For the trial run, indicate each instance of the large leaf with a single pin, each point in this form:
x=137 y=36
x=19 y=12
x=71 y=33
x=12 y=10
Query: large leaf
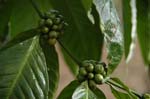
x=127 y=25
x=53 y=66
x=98 y=93
x=20 y=38
x=5 y=12
x=96 y=18
x=83 y=92
x=24 y=17
x=23 y=72
x=67 y=92
x=110 y=26
x=143 y=28
x=120 y=95
x=80 y=37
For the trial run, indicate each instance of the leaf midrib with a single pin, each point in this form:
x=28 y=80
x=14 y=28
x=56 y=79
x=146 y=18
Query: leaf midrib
x=23 y=63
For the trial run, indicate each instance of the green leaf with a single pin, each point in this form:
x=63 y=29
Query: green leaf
x=23 y=72
x=121 y=84
x=87 y=4
x=110 y=26
x=52 y=65
x=67 y=92
x=20 y=37
x=80 y=37
x=83 y=92
x=24 y=17
x=98 y=93
x=143 y=28
x=119 y=95
x=127 y=25
x=97 y=26
x=5 y=12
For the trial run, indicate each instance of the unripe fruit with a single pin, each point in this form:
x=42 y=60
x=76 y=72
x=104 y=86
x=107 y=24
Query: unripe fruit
x=85 y=63
x=90 y=67
x=82 y=71
x=53 y=34
x=49 y=22
x=92 y=84
x=80 y=78
x=52 y=41
x=45 y=30
x=55 y=27
x=90 y=75
x=98 y=78
x=57 y=21
x=99 y=68
x=50 y=15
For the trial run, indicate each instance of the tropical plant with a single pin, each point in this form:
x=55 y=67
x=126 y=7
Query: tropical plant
x=31 y=29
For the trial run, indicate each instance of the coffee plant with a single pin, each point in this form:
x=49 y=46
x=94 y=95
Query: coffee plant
x=30 y=30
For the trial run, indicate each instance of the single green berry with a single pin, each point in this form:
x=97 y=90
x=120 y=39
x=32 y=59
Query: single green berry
x=55 y=27
x=82 y=71
x=41 y=22
x=92 y=84
x=98 y=78
x=45 y=30
x=99 y=69
x=85 y=63
x=90 y=75
x=52 y=41
x=57 y=21
x=60 y=16
x=90 y=67
x=81 y=78
x=49 y=22
x=53 y=34
x=50 y=15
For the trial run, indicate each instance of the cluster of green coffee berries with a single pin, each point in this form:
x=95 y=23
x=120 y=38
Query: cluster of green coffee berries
x=92 y=71
x=52 y=26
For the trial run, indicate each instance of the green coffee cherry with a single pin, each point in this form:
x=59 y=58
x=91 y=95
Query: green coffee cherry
x=81 y=78
x=98 y=78
x=90 y=75
x=52 y=41
x=53 y=34
x=49 y=22
x=57 y=21
x=45 y=30
x=85 y=63
x=99 y=68
x=92 y=84
x=90 y=67
x=55 y=27
x=50 y=15
x=82 y=71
